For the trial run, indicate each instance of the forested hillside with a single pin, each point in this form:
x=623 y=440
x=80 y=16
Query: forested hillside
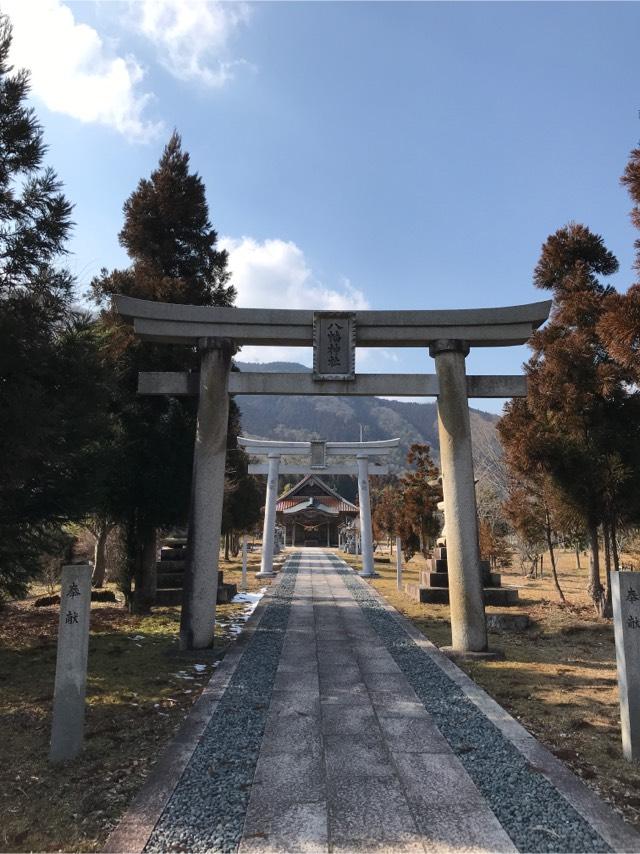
x=339 y=418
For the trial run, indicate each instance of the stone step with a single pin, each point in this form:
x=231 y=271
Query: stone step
x=441 y=579
x=164 y=566
x=438 y=564
x=171 y=554
x=167 y=580
x=440 y=553
x=501 y=596
x=226 y=592
x=169 y=597
x=173 y=595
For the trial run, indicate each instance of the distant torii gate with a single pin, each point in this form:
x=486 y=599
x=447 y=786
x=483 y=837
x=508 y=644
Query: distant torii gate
x=318 y=452
x=218 y=332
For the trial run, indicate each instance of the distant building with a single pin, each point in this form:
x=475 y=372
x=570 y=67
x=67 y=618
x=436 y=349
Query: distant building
x=311 y=513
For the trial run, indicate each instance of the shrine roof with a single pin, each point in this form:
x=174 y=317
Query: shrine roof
x=311 y=486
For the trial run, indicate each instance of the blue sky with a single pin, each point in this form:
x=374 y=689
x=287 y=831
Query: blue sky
x=382 y=155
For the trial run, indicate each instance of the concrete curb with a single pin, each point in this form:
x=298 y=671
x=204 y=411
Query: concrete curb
x=136 y=826
x=596 y=812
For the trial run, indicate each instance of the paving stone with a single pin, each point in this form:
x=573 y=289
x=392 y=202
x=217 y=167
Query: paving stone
x=288 y=778
x=340 y=676
x=354 y=695
x=370 y=815
x=302 y=702
x=394 y=683
x=354 y=756
x=300 y=827
x=292 y=732
x=287 y=680
x=449 y=830
x=341 y=720
x=413 y=734
x=436 y=779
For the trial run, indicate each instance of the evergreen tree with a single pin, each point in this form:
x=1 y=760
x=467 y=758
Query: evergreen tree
x=47 y=352
x=620 y=323
x=418 y=523
x=575 y=426
x=172 y=245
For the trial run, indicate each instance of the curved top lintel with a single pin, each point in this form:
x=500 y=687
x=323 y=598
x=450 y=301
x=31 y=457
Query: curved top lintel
x=174 y=323
x=133 y=308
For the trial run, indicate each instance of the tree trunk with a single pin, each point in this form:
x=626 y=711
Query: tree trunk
x=578 y=559
x=556 y=583
x=614 y=545
x=100 y=557
x=607 y=547
x=144 y=575
x=595 y=588
x=226 y=546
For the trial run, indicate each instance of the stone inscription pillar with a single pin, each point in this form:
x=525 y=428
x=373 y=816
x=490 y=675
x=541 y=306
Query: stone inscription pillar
x=266 y=563
x=398 y=563
x=244 y=563
x=67 y=729
x=625 y=594
x=198 y=615
x=468 y=625
x=366 y=534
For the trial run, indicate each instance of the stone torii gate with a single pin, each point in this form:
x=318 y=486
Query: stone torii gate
x=217 y=332
x=318 y=451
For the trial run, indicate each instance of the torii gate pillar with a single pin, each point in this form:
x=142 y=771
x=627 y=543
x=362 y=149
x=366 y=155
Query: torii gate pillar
x=366 y=533
x=268 y=532
x=468 y=625
x=197 y=619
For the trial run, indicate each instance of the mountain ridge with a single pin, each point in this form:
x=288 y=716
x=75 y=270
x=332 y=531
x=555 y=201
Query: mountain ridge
x=338 y=418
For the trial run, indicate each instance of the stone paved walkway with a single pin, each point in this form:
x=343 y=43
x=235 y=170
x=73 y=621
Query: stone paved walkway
x=350 y=758
x=319 y=733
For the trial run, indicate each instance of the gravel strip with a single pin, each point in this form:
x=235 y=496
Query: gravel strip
x=207 y=809
x=532 y=811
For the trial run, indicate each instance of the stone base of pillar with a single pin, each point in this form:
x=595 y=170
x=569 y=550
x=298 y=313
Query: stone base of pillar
x=265 y=574
x=363 y=574
x=461 y=655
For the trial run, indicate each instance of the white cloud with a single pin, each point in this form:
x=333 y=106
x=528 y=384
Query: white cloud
x=73 y=72
x=192 y=36
x=275 y=274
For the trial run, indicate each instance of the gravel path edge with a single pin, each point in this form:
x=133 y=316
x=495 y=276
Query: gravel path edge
x=596 y=812
x=134 y=829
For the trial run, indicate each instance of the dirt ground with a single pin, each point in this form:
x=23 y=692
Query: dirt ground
x=139 y=689
x=558 y=677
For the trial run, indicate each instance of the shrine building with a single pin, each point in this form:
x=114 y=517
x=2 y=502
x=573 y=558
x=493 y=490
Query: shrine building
x=311 y=513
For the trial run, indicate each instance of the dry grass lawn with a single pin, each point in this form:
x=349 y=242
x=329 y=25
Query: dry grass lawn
x=140 y=688
x=559 y=676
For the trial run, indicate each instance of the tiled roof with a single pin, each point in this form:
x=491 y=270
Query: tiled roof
x=341 y=505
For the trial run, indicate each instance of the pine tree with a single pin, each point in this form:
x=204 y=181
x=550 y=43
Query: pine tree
x=47 y=392
x=172 y=245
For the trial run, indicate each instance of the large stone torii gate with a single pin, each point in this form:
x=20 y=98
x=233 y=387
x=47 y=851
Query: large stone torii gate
x=318 y=452
x=449 y=334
